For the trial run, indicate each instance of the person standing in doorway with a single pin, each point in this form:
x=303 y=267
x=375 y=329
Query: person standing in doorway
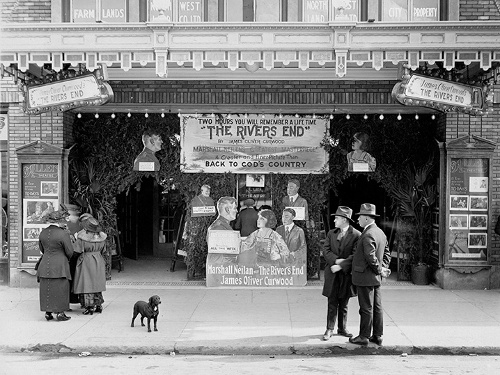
x=339 y=249
x=246 y=222
x=370 y=263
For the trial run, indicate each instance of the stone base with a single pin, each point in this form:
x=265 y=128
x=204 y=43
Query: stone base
x=461 y=278
x=20 y=278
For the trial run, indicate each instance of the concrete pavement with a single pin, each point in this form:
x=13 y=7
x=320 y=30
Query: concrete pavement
x=198 y=320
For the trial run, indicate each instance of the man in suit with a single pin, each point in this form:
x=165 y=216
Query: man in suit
x=294 y=237
x=227 y=208
x=338 y=251
x=370 y=263
x=246 y=222
x=293 y=199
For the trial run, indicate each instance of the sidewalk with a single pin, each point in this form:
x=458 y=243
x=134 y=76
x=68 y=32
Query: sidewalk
x=198 y=320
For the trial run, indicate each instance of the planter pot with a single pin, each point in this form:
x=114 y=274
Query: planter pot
x=420 y=274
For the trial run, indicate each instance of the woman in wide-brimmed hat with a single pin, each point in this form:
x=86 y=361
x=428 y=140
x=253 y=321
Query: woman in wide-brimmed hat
x=53 y=270
x=90 y=273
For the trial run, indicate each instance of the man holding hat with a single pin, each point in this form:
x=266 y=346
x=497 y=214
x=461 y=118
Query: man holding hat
x=246 y=222
x=338 y=251
x=370 y=263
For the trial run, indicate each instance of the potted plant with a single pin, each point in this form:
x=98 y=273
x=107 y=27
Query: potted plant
x=414 y=196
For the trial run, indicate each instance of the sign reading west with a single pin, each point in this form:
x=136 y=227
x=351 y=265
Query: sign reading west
x=252 y=144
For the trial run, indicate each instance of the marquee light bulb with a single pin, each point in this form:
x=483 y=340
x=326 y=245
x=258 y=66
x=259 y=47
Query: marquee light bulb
x=381 y=117
x=79 y=115
x=399 y=117
x=365 y=116
x=97 y=115
x=162 y=115
x=113 y=115
x=348 y=116
x=433 y=117
x=129 y=114
x=146 y=115
x=416 y=116
x=331 y=117
x=297 y=115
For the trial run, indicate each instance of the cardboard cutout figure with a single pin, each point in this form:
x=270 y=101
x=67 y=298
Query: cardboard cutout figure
x=359 y=160
x=203 y=204
x=146 y=161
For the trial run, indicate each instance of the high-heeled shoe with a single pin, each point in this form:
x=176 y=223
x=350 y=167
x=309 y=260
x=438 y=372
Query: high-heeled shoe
x=98 y=309
x=49 y=316
x=89 y=311
x=62 y=317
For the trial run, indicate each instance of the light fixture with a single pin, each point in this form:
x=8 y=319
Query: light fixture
x=314 y=115
x=381 y=116
x=331 y=117
x=348 y=116
x=179 y=114
x=263 y=115
x=229 y=116
x=246 y=115
x=79 y=115
x=416 y=116
x=365 y=116
x=113 y=115
x=212 y=114
x=97 y=115
x=297 y=115
x=162 y=115
x=129 y=114
x=433 y=117
x=146 y=115
x=281 y=115
x=399 y=117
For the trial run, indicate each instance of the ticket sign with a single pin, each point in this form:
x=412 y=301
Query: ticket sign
x=441 y=94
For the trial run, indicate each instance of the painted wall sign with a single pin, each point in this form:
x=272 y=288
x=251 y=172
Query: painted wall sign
x=447 y=96
x=161 y=10
x=109 y=11
x=316 y=11
x=253 y=144
x=85 y=90
x=190 y=11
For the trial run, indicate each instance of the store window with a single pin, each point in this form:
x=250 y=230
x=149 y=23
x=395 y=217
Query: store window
x=410 y=10
x=108 y=11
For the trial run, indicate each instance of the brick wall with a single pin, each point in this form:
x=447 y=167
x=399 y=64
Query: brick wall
x=25 y=11
x=254 y=92
x=471 y=10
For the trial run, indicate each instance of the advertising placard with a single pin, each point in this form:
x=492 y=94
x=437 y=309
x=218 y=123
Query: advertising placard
x=40 y=192
x=253 y=144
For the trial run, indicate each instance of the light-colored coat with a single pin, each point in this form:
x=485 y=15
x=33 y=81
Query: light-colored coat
x=90 y=273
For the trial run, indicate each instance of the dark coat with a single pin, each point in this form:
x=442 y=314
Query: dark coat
x=299 y=202
x=372 y=253
x=296 y=243
x=246 y=222
x=339 y=282
x=55 y=245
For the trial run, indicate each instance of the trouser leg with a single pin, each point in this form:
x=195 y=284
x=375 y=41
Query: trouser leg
x=342 y=313
x=365 y=297
x=331 y=317
x=378 y=314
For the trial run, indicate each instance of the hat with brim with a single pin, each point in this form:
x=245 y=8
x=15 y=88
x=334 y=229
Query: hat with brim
x=91 y=225
x=57 y=216
x=367 y=209
x=249 y=202
x=343 y=211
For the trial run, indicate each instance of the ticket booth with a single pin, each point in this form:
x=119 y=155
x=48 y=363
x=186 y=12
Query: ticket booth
x=467 y=219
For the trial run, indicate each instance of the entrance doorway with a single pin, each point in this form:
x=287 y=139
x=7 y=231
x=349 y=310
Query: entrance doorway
x=148 y=219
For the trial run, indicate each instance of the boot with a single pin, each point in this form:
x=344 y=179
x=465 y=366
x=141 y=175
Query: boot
x=98 y=309
x=89 y=311
x=48 y=316
x=62 y=317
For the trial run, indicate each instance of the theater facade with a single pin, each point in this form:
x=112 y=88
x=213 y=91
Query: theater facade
x=436 y=62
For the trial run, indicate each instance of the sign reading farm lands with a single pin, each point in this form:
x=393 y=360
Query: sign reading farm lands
x=253 y=144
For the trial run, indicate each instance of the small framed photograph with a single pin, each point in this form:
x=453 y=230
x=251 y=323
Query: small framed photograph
x=478 y=203
x=478 y=221
x=478 y=184
x=50 y=188
x=459 y=202
x=35 y=209
x=477 y=240
x=459 y=221
x=255 y=180
x=31 y=234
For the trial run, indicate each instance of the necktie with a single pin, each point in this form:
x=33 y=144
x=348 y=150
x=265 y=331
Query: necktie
x=341 y=235
x=291 y=200
x=287 y=234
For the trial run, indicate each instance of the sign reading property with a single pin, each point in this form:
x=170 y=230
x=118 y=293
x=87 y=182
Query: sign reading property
x=252 y=144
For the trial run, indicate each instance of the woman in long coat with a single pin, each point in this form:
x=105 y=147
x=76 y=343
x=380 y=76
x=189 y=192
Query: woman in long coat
x=90 y=273
x=53 y=270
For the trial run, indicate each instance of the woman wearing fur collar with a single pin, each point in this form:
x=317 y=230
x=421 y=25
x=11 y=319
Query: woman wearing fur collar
x=90 y=273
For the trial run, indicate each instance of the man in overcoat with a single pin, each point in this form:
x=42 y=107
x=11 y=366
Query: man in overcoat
x=370 y=263
x=338 y=251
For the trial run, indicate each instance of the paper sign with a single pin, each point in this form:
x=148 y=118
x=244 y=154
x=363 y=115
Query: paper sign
x=360 y=167
x=200 y=211
x=300 y=212
x=147 y=166
x=223 y=242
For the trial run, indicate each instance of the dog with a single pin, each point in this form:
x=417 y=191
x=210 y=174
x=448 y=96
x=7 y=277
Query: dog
x=147 y=310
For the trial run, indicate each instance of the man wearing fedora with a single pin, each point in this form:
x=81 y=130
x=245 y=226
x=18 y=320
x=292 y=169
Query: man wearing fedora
x=338 y=251
x=370 y=263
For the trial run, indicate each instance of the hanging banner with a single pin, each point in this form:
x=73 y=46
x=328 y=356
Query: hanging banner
x=253 y=144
